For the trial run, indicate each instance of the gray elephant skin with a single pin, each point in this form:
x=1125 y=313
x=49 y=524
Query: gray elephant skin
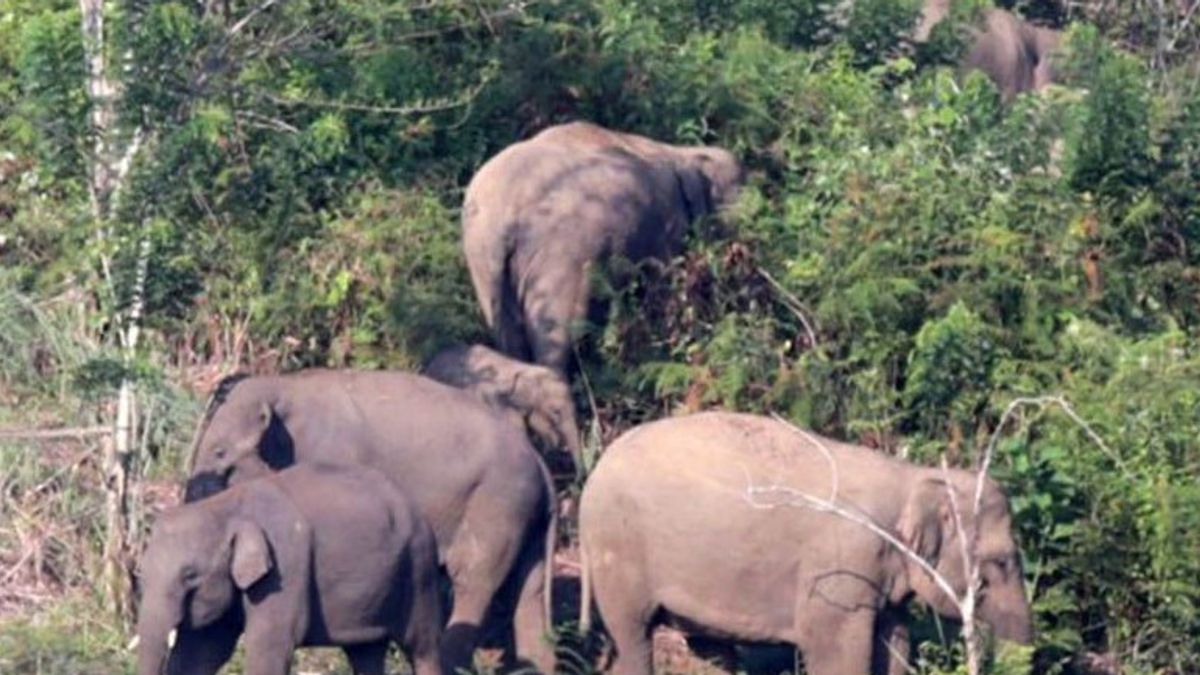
x=315 y=555
x=537 y=398
x=670 y=530
x=541 y=214
x=1015 y=54
x=474 y=476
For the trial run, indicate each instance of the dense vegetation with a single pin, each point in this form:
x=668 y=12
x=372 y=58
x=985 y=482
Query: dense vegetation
x=909 y=258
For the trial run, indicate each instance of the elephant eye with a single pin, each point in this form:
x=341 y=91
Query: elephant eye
x=1004 y=566
x=220 y=453
x=188 y=575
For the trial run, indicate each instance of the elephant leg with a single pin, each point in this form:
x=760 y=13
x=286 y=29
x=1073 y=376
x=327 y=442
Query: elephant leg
x=269 y=644
x=839 y=643
x=367 y=659
x=892 y=645
x=421 y=635
x=478 y=562
x=553 y=303
x=627 y=608
x=426 y=662
x=533 y=638
x=203 y=651
x=634 y=648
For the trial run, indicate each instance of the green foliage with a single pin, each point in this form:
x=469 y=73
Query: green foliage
x=52 y=100
x=949 y=372
x=1110 y=144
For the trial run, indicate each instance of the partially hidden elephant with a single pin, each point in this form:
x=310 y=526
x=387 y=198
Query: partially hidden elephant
x=538 y=398
x=315 y=555
x=540 y=215
x=474 y=476
x=1017 y=55
x=702 y=520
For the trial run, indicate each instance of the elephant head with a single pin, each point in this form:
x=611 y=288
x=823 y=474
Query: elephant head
x=538 y=398
x=195 y=565
x=928 y=527
x=235 y=438
x=710 y=177
x=545 y=398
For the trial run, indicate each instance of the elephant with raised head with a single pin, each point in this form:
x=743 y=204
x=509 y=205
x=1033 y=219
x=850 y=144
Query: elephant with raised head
x=316 y=555
x=543 y=212
x=537 y=398
x=475 y=478
x=1017 y=55
x=700 y=520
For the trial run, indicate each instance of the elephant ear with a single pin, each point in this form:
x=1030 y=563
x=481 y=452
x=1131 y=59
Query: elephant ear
x=926 y=519
x=251 y=558
x=694 y=190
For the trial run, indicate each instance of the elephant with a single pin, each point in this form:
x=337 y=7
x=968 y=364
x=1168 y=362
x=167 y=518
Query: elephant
x=315 y=555
x=540 y=215
x=475 y=478
x=537 y=398
x=1015 y=54
x=703 y=520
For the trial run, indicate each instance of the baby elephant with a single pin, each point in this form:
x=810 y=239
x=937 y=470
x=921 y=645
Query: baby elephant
x=537 y=396
x=315 y=555
x=708 y=520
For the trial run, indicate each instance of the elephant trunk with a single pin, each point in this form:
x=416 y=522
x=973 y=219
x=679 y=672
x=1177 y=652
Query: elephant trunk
x=156 y=629
x=1009 y=616
x=575 y=448
x=152 y=654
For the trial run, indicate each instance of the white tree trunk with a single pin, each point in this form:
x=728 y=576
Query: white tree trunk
x=106 y=175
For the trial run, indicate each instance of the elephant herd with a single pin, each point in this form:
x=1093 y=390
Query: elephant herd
x=336 y=507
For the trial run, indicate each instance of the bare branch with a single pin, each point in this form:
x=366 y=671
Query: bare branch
x=966 y=604
x=1087 y=429
x=1041 y=402
x=55 y=434
x=242 y=22
x=793 y=497
x=834 y=479
x=267 y=122
x=793 y=303
x=436 y=106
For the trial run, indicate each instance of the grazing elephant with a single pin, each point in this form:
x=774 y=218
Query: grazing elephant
x=474 y=476
x=670 y=528
x=541 y=213
x=1015 y=54
x=537 y=397
x=316 y=555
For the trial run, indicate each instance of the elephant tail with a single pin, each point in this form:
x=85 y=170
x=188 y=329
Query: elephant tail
x=489 y=253
x=585 y=592
x=551 y=541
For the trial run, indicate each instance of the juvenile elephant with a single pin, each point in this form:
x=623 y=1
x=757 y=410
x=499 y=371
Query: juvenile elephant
x=316 y=555
x=537 y=397
x=698 y=519
x=473 y=475
x=1015 y=54
x=540 y=214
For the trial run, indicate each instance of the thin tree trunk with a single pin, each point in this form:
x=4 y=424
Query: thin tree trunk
x=106 y=173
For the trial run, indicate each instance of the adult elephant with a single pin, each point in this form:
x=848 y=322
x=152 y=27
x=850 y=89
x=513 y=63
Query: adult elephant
x=543 y=212
x=473 y=475
x=1015 y=54
x=700 y=519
